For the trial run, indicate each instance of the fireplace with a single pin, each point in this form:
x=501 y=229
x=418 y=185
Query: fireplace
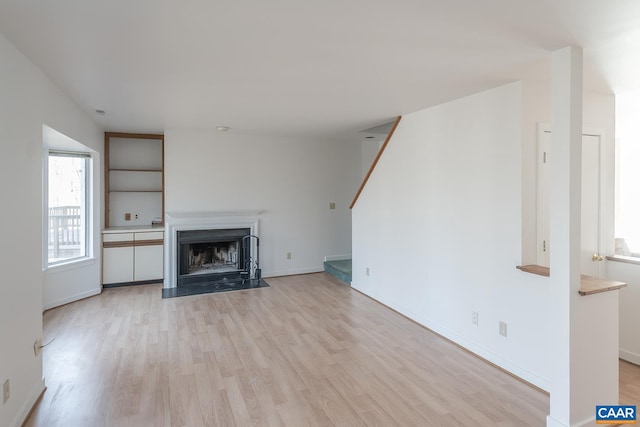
x=212 y=255
x=204 y=247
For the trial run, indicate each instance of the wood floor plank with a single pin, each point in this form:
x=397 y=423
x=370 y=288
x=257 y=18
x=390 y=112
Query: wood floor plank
x=306 y=351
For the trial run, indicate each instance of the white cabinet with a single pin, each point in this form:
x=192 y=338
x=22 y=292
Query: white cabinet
x=117 y=258
x=132 y=256
x=148 y=253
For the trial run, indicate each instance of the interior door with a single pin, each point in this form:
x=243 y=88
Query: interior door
x=591 y=202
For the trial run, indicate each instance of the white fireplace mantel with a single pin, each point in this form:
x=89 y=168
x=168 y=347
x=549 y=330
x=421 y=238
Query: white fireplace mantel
x=179 y=221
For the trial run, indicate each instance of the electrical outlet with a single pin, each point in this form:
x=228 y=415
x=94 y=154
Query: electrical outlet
x=475 y=317
x=127 y=216
x=288 y=255
x=367 y=271
x=503 y=329
x=332 y=205
x=37 y=347
x=6 y=391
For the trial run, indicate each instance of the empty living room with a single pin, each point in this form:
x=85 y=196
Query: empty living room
x=286 y=214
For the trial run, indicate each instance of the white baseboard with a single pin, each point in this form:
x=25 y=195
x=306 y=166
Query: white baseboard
x=629 y=356
x=480 y=351
x=552 y=422
x=337 y=257
x=35 y=393
x=508 y=366
x=72 y=298
x=591 y=421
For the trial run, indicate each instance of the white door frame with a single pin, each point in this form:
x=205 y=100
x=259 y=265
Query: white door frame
x=542 y=200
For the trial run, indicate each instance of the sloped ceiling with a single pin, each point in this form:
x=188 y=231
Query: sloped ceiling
x=315 y=68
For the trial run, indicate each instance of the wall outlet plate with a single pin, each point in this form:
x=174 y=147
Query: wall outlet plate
x=503 y=329
x=475 y=318
x=6 y=391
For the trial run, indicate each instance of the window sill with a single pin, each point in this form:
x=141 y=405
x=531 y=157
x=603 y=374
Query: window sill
x=70 y=265
x=589 y=285
x=622 y=258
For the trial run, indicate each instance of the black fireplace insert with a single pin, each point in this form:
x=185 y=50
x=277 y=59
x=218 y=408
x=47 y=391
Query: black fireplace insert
x=210 y=256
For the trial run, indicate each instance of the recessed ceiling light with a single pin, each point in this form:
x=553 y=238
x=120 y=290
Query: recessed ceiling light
x=101 y=112
x=222 y=128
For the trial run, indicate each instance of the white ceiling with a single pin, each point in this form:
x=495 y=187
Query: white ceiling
x=306 y=67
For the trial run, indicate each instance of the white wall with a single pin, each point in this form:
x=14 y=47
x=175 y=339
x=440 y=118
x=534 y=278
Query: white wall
x=629 y=308
x=28 y=101
x=65 y=283
x=439 y=229
x=438 y=226
x=627 y=129
x=292 y=180
x=599 y=112
x=369 y=150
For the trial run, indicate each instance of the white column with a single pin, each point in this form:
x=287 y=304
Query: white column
x=566 y=162
x=584 y=341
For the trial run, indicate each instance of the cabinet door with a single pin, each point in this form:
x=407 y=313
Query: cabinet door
x=149 y=254
x=117 y=265
x=148 y=263
x=117 y=258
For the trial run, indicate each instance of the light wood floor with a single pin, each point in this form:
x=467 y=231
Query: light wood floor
x=307 y=351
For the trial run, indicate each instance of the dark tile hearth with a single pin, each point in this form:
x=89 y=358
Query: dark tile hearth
x=216 y=286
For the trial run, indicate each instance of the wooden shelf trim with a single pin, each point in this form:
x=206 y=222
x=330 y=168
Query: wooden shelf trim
x=375 y=162
x=534 y=269
x=135 y=170
x=123 y=244
x=131 y=243
x=589 y=285
x=154 y=242
x=135 y=191
x=130 y=135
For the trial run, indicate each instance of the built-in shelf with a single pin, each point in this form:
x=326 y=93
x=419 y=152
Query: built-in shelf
x=534 y=269
x=134 y=179
x=594 y=285
x=589 y=285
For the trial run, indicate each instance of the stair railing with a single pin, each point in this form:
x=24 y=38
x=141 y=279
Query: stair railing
x=375 y=162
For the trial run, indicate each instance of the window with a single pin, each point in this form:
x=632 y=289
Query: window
x=68 y=206
x=627 y=211
x=628 y=203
